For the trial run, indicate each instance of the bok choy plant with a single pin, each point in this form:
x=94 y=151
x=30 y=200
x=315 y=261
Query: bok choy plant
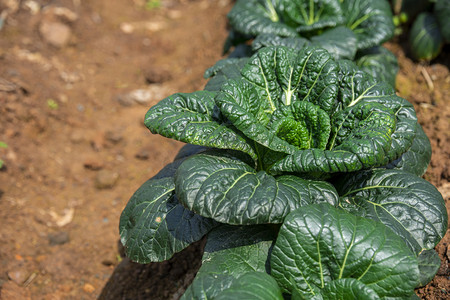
x=303 y=172
x=351 y=29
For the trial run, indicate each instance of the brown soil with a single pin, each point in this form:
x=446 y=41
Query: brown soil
x=77 y=147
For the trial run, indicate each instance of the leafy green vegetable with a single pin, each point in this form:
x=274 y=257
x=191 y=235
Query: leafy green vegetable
x=429 y=264
x=319 y=244
x=230 y=191
x=442 y=11
x=301 y=171
x=425 y=37
x=412 y=207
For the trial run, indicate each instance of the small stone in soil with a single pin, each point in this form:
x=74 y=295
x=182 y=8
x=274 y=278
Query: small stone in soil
x=58 y=238
x=155 y=75
x=106 y=179
x=88 y=288
x=55 y=33
x=143 y=154
x=113 y=137
x=18 y=276
x=93 y=165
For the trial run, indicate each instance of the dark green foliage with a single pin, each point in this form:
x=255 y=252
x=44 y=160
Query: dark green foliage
x=425 y=37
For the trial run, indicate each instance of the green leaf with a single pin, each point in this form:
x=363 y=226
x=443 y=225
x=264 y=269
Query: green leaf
x=429 y=264
x=222 y=265
x=231 y=236
x=410 y=206
x=360 y=138
x=269 y=40
x=370 y=20
x=311 y=16
x=425 y=37
x=275 y=79
x=348 y=288
x=252 y=285
x=319 y=243
x=254 y=17
x=207 y=286
x=442 y=11
x=417 y=158
x=380 y=63
x=340 y=42
x=153 y=226
x=193 y=118
x=230 y=191
x=222 y=73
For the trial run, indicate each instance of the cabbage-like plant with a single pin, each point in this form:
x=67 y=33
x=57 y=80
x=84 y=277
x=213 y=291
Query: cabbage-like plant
x=303 y=173
x=347 y=29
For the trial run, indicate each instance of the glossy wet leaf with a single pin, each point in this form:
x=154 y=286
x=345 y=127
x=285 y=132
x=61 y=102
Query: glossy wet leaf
x=340 y=42
x=193 y=118
x=429 y=264
x=409 y=205
x=370 y=20
x=417 y=158
x=425 y=37
x=380 y=63
x=318 y=244
x=154 y=226
x=230 y=191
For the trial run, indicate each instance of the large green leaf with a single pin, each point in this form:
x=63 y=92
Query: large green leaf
x=380 y=63
x=268 y=40
x=348 y=288
x=252 y=285
x=417 y=158
x=442 y=11
x=425 y=37
x=275 y=78
x=193 y=118
x=154 y=226
x=359 y=92
x=310 y=16
x=370 y=20
x=409 y=205
x=221 y=73
x=318 y=244
x=222 y=265
x=340 y=42
x=230 y=191
x=429 y=264
x=254 y=17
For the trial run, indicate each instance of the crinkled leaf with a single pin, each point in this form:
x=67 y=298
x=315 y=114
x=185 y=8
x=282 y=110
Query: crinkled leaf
x=252 y=285
x=360 y=138
x=153 y=226
x=348 y=288
x=429 y=264
x=276 y=77
x=230 y=191
x=370 y=20
x=442 y=11
x=340 y=42
x=310 y=16
x=417 y=158
x=207 y=286
x=380 y=63
x=221 y=64
x=319 y=243
x=224 y=73
x=425 y=37
x=254 y=17
x=193 y=118
x=268 y=40
x=409 y=205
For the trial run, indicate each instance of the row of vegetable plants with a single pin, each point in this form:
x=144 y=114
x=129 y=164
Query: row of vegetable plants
x=302 y=166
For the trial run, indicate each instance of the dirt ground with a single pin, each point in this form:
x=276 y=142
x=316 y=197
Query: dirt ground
x=76 y=79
